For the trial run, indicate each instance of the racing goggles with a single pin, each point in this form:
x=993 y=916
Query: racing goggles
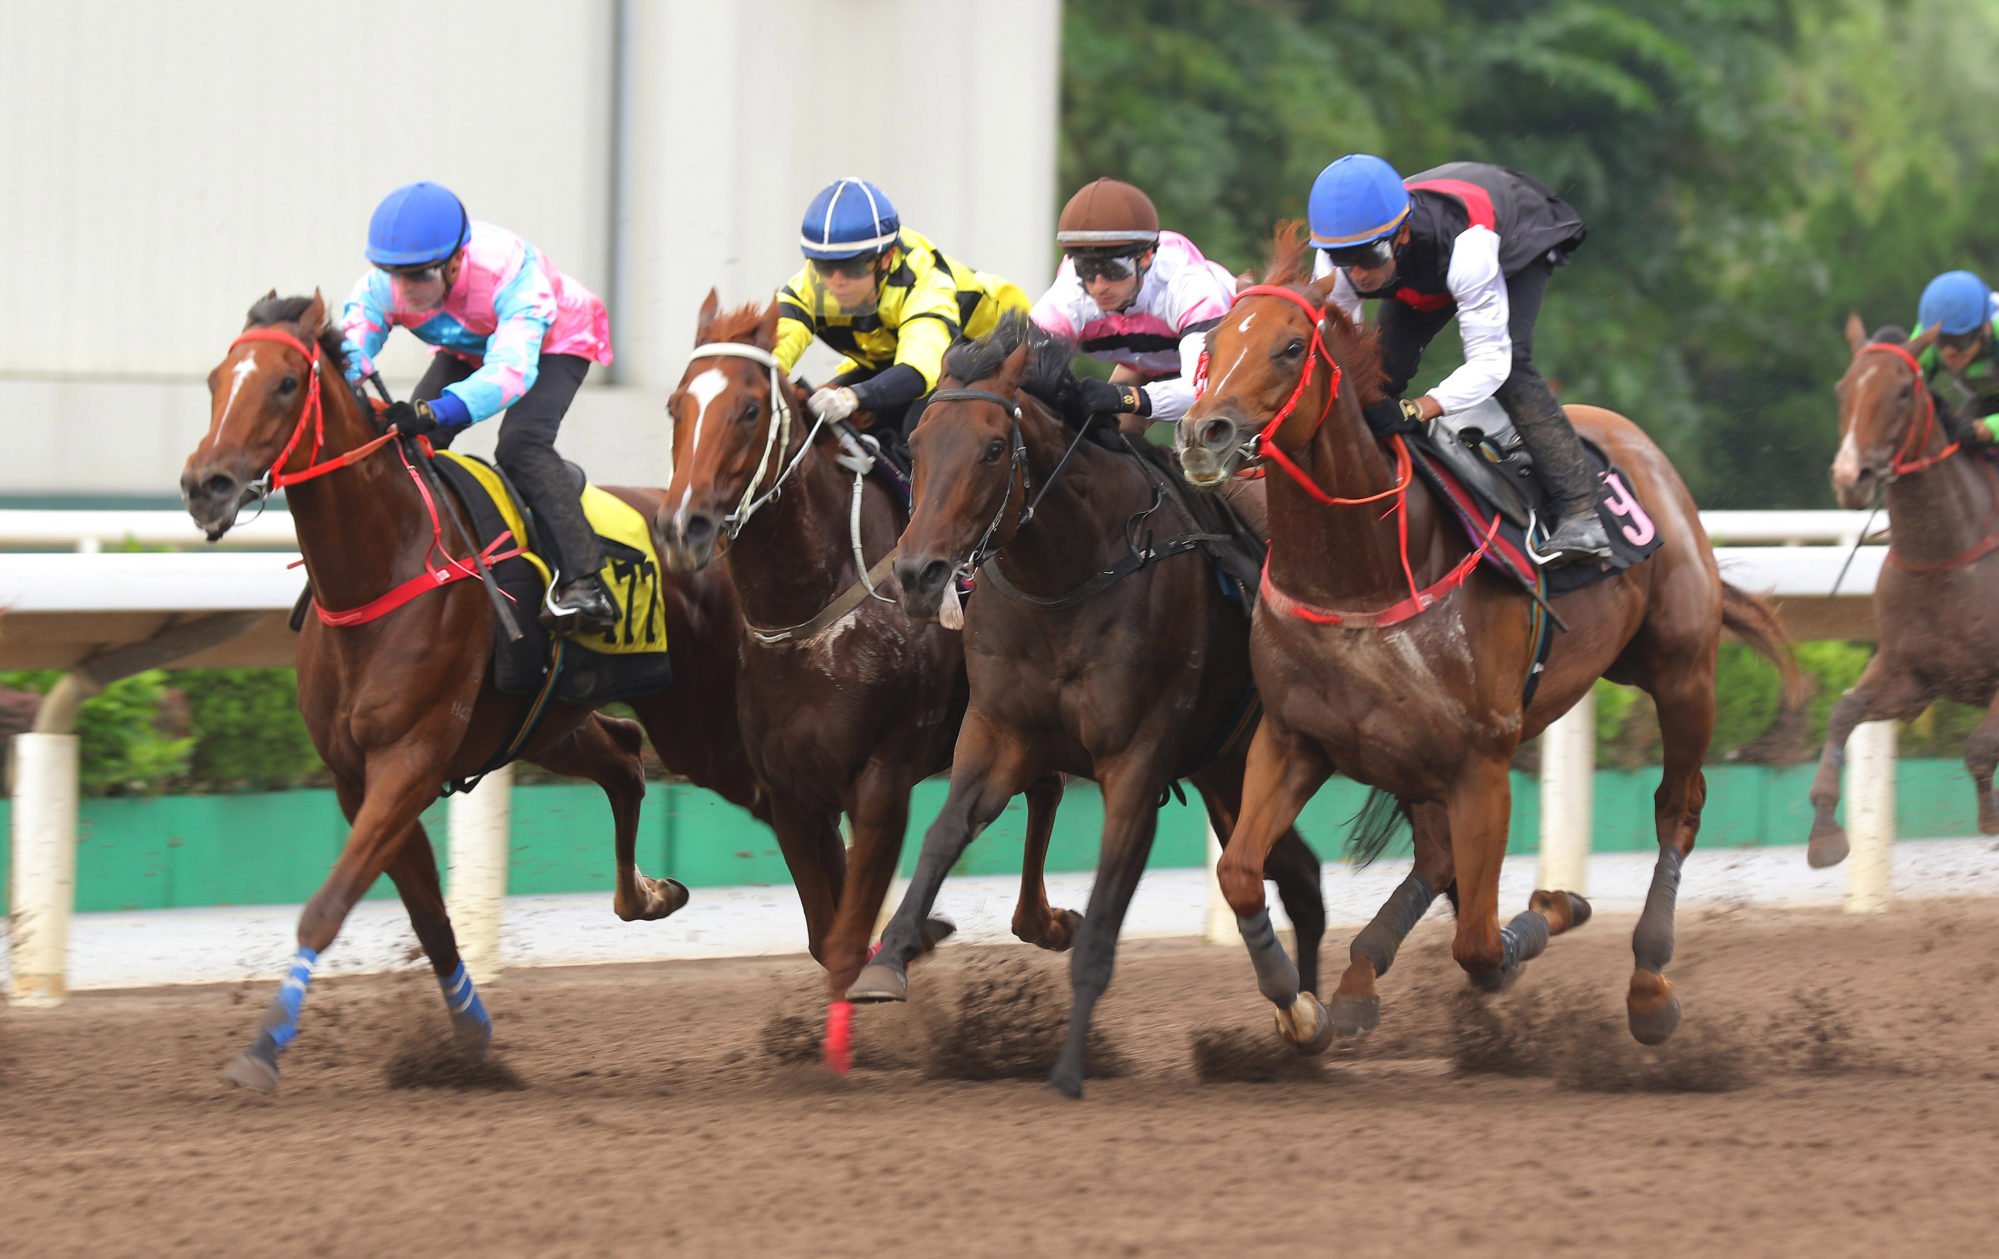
x=1376 y=253
x=1960 y=341
x=846 y=268
x=1103 y=266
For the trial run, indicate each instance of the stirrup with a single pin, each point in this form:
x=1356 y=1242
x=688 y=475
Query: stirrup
x=1573 y=550
x=599 y=614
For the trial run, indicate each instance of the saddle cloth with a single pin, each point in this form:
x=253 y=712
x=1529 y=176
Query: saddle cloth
x=627 y=660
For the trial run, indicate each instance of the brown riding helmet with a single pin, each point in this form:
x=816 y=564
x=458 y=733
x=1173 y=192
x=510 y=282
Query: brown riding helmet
x=1105 y=214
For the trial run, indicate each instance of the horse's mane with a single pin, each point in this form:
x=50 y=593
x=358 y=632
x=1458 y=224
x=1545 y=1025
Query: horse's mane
x=1890 y=334
x=1358 y=349
x=739 y=324
x=274 y=310
x=1048 y=377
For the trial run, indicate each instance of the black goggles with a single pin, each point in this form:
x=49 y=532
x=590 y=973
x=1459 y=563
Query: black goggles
x=846 y=268
x=1097 y=266
x=1376 y=253
x=417 y=275
x=1960 y=340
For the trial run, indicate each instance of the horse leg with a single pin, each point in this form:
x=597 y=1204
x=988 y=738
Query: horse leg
x=817 y=859
x=1356 y=1005
x=1292 y=866
x=414 y=870
x=1278 y=779
x=393 y=798
x=1981 y=755
x=1131 y=815
x=985 y=772
x=606 y=750
x=1883 y=691
x=1034 y=919
x=1685 y=699
x=879 y=815
x=1490 y=954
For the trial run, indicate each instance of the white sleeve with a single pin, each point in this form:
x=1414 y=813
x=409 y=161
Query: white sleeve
x=1054 y=313
x=1479 y=289
x=1171 y=397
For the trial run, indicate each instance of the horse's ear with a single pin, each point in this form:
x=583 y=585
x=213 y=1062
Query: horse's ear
x=1925 y=340
x=1856 y=331
x=1322 y=288
x=767 y=327
x=706 y=317
x=1014 y=370
x=271 y=296
x=313 y=319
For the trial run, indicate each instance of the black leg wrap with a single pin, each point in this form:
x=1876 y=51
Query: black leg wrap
x=1652 y=942
x=1396 y=918
x=1523 y=939
x=1276 y=977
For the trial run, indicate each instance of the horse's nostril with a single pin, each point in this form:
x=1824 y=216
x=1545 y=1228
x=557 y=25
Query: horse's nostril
x=1217 y=432
x=699 y=528
x=218 y=485
x=933 y=575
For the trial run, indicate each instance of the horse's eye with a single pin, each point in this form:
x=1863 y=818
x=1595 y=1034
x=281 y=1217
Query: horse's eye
x=994 y=449
x=288 y=386
x=749 y=412
x=1292 y=349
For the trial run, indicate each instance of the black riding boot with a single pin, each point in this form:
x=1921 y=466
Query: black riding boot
x=1563 y=465
x=577 y=598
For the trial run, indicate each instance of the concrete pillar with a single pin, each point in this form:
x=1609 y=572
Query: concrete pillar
x=1870 y=817
x=1568 y=797
x=44 y=853
x=480 y=827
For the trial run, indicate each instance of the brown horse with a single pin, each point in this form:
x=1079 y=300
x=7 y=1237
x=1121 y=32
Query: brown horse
x=1936 y=637
x=400 y=704
x=1100 y=644
x=844 y=703
x=1408 y=668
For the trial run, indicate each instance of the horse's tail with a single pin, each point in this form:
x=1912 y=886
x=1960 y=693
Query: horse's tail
x=1371 y=829
x=1755 y=622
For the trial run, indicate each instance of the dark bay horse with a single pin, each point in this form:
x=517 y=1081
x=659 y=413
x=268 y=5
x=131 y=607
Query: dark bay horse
x=1933 y=599
x=1381 y=649
x=1134 y=681
x=400 y=704
x=845 y=704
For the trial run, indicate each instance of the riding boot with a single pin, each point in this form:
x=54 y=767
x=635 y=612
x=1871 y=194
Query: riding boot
x=1564 y=468
x=577 y=599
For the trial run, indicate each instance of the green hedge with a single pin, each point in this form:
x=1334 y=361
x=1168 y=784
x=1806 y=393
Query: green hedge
x=202 y=731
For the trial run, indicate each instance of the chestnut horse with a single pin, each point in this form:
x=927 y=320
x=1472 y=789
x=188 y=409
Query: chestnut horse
x=844 y=703
x=1937 y=639
x=1381 y=647
x=1100 y=644
x=400 y=704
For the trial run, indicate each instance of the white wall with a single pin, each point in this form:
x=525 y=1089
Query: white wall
x=164 y=164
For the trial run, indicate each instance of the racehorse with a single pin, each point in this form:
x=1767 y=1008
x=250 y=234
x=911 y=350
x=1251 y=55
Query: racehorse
x=844 y=703
x=399 y=704
x=1931 y=601
x=1384 y=647
x=1100 y=643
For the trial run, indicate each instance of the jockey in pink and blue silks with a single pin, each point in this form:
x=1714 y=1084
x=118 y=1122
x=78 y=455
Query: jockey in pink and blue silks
x=512 y=334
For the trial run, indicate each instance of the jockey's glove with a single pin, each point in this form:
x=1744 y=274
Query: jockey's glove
x=1104 y=398
x=411 y=419
x=1392 y=415
x=833 y=404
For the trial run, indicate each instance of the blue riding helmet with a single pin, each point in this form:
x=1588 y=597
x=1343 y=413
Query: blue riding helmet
x=417 y=224
x=1356 y=201
x=1955 y=303
x=850 y=218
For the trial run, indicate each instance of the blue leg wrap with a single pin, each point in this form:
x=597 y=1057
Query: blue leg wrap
x=463 y=999
x=1276 y=975
x=281 y=1020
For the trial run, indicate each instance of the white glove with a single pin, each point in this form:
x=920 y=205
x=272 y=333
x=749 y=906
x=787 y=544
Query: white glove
x=832 y=405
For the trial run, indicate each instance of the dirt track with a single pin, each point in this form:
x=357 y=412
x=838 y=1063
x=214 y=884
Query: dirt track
x=1834 y=1090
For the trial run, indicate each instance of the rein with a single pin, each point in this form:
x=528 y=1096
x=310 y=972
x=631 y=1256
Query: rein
x=1904 y=463
x=1265 y=444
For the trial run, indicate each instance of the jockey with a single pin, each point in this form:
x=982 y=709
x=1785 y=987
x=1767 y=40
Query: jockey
x=1477 y=242
x=884 y=297
x=1134 y=296
x=513 y=334
x=1962 y=363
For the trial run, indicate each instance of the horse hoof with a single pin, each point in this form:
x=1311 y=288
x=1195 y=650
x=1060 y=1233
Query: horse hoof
x=880 y=981
x=936 y=930
x=660 y=898
x=1579 y=910
x=1060 y=934
x=253 y=1071
x=1306 y=1025
x=474 y=1038
x=1988 y=814
x=1827 y=847
x=1068 y=1086
x=1656 y=1025
x=1493 y=982
x=1354 y=1016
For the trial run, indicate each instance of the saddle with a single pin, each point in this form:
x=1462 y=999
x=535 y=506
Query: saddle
x=1478 y=462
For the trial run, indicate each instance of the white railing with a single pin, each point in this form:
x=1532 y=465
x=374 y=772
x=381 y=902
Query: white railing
x=104 y=614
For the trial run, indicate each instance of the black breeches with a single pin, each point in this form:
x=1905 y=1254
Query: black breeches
x=526 y=450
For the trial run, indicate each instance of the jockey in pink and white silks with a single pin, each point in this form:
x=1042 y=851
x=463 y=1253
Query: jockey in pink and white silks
x=512 y=334
x=1134 y=296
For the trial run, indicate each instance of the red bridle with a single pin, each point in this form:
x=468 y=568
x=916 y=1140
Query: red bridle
x=313 y=412
x=1919 y=436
